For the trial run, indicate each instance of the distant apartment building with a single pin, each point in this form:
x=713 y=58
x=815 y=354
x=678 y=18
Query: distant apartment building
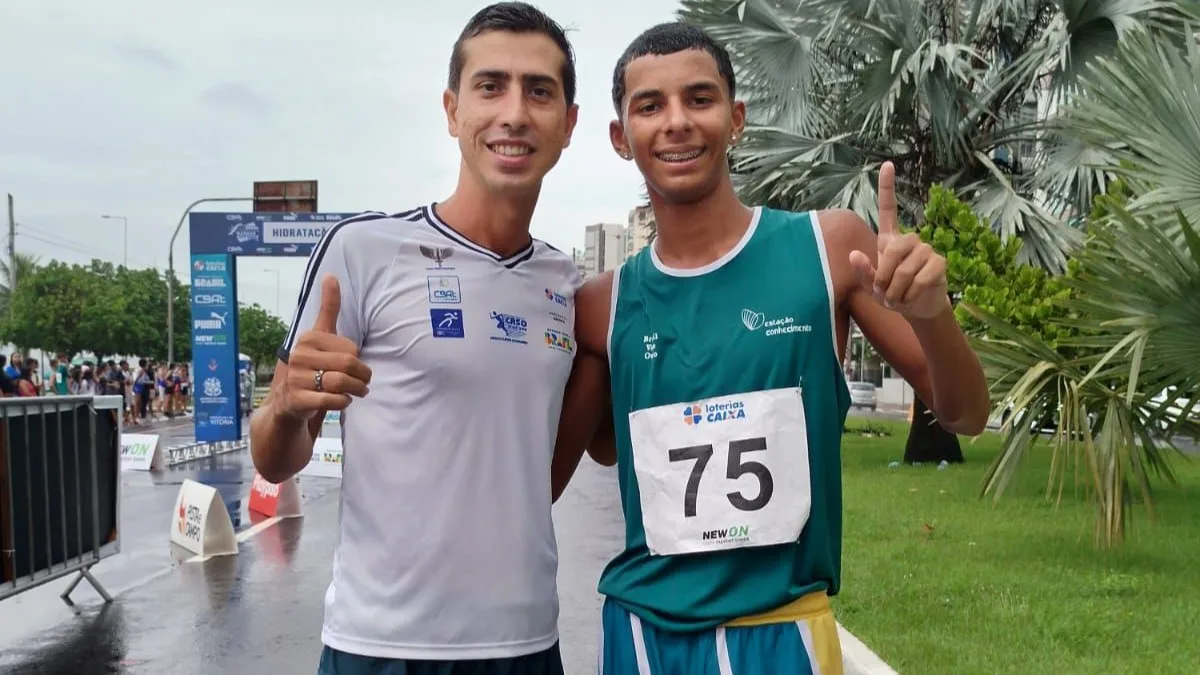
x=603 y=248
x=607 y=245
x=640 y=230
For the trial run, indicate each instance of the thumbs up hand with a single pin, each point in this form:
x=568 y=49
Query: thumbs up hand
x=324 y=371
x=331 y=305
x=910 y=277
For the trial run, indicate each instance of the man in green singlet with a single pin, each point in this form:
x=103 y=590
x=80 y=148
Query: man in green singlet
x=721 y=347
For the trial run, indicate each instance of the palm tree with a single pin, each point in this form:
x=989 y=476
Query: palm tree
x=955 y=92
x=1134 y=379
x=21 y=266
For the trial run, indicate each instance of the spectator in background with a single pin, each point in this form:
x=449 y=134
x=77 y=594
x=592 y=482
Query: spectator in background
x=143 y=388
x=185 y=388
x=8 y=386
x=48 y=388
x=177 y=387
x=118 y=385
x=135 y=388
x=160 y=388
x=33 y=365
x=173 y=386
x=60 y=375
x=13 y=370
x=87 y=382
x=26 y=385
x=110 y=381
x=73 y=379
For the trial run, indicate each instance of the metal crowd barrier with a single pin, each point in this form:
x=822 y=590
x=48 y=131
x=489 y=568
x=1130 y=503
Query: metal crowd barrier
x=60 y=480
x=203 y=450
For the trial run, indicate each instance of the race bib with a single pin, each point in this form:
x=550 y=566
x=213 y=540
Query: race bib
x=722 y=473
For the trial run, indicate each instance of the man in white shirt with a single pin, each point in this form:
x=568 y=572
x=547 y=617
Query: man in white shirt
x=444 y=335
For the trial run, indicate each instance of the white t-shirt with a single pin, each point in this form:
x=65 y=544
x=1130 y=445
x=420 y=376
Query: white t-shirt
x=446 y=546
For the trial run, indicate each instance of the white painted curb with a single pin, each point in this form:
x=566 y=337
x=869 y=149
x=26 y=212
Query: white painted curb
x=858 y=659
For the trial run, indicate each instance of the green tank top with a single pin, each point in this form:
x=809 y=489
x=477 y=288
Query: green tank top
x=688 y=352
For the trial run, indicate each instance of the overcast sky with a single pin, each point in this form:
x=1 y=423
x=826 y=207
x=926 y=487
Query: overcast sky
x=136 y=108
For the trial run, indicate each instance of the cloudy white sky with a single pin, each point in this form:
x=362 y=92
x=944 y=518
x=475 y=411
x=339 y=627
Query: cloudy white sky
x=135 y=108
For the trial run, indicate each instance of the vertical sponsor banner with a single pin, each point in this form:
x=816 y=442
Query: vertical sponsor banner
x=215 y=348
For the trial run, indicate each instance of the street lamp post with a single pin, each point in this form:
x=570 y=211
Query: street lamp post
x=123 y=219
x=171 y=268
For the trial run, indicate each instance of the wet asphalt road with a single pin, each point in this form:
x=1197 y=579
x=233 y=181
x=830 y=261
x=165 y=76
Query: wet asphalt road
x=259 y=611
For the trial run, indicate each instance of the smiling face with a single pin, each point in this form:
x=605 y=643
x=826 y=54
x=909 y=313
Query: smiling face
x=677 y=122
x=510 y=113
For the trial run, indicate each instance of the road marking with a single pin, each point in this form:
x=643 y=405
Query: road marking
x=241 y=536
x=142 y=582
x=255 y=529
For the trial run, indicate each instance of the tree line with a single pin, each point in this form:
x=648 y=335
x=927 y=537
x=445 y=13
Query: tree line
x=106 y=309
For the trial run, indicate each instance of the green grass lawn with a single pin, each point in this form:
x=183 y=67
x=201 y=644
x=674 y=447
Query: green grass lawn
x=937 y=580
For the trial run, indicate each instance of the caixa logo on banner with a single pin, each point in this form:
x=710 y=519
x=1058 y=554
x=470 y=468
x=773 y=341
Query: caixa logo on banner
x=209 y=266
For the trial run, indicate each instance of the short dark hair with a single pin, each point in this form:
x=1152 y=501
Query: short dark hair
x=515 y=17
x=670 y=38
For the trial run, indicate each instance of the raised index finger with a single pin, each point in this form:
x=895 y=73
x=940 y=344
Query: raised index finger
x=888 y=215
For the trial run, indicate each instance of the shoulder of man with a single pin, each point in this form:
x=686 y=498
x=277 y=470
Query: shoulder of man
x=365 y=224
x=356 y=248
x=361 y=244
x=562 y=262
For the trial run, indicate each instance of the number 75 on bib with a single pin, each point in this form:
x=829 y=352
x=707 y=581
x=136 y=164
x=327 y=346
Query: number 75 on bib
x=723 y=473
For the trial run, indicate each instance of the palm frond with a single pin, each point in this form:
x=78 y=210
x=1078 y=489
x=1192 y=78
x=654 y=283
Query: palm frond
x=1113 y=403
x=1014 y=214
x=1139 y=293
x=774 y=58
x=1147 y=98
x=1070 y=171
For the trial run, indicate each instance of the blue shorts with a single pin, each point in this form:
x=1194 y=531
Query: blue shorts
x=334 y=662
x=806 y=644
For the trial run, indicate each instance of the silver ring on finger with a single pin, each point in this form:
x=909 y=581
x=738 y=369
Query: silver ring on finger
x=317 y=377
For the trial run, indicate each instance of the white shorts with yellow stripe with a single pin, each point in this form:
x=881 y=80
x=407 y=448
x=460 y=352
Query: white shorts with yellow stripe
x=799 y=638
